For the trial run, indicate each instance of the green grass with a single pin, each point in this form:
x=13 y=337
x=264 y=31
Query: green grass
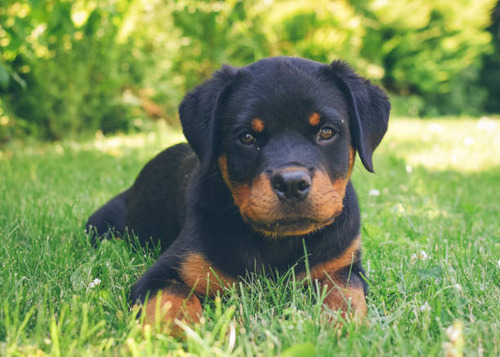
x=438 y=184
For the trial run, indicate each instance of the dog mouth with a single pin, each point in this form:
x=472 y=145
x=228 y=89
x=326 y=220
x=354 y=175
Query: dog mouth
x=287 y=227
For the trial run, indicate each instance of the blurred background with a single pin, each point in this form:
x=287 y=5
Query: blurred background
x=71 y=68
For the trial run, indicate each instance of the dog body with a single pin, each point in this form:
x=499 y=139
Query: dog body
x=265 y=175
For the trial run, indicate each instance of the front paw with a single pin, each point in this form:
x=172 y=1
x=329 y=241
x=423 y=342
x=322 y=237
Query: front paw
x=177 y=302
x=350 y=301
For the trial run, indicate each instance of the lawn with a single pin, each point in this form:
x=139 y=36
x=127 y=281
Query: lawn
x=431 y=229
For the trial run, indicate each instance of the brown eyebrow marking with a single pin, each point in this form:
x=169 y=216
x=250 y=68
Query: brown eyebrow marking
x=314 y=119
x=257 y=125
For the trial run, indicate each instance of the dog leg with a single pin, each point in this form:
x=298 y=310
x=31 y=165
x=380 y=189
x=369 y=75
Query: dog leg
x=342 y=277
x=108 y=219
x=348 y=297
x=175 y=302
x=173 y=285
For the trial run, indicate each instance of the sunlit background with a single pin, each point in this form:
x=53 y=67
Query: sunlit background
x=78 y=67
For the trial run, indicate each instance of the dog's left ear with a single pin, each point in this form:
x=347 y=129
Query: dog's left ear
x=198 y=113
x=369 y=109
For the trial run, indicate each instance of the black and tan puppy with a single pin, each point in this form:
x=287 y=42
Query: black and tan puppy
x=268 y=165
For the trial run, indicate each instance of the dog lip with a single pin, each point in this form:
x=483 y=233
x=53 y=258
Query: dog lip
x=288 y=225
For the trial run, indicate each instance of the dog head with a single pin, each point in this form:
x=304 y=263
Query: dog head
x=284 y=132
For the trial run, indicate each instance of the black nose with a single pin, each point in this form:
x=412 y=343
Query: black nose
x=291 y=184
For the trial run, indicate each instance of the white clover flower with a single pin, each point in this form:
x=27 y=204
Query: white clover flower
x=374 y=192
x=423 y=255
x=420 y=256
x=425 y=307
x=409 y=169
x=95 y=283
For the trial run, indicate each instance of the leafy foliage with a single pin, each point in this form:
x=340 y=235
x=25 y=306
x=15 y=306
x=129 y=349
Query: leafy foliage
x=68 y=67
x=490 y=71
x=66 y=64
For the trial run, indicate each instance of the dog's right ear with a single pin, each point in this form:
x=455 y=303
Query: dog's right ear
x=198 y=112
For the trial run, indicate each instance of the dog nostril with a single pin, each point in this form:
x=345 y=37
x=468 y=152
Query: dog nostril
x=278 y=183
x=303 y=185
x=291 y=185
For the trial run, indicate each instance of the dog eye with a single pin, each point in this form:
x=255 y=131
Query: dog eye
x=326 y=133
x=247 y=138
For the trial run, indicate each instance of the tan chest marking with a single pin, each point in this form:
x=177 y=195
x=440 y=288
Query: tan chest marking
x=330 y=268
x=202 y=277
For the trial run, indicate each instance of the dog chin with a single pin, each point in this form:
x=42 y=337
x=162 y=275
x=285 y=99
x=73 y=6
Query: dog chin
x=290 y=227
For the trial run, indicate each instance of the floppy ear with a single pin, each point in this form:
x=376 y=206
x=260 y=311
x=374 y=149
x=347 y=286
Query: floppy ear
x=369 y=109
x=198 y=114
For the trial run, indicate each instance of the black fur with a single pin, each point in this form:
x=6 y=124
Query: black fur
x=182 y=200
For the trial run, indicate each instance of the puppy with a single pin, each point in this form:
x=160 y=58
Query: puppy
x=267 y=170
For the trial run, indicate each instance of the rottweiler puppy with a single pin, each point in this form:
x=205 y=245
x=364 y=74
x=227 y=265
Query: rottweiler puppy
x=266 y=171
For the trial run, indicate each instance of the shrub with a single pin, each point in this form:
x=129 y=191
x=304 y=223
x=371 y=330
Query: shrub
x=69 y=67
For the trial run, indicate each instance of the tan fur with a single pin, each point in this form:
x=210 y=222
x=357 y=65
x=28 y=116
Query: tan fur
x=314 y=119
x=331 y=267
x=352 y=157
x=222 y=161
x=350 y=299
x=202 y=277
x=168 y=305
x=260 y=206
x=340 y=296
x=257 y=125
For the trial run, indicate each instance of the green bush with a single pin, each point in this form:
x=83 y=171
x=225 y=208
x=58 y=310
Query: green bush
x=432 y=49
x=70 y=67
x=490 y=71
x=66 y=67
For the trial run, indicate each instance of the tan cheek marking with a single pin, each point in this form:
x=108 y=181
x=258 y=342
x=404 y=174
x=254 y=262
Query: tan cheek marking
x=257 y=125
x=199 y=274
x=222 y=161
x=241 y=197
x=326 y=196
x=241 y=192
x=334 y=191
x=335 y=202
x=339 y=187
x=314 y=119
x=263 y=202
x=352 y=156
x=256 y=201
